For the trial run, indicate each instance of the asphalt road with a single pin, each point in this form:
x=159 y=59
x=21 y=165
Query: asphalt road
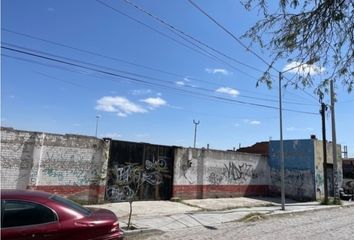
x=335 y=223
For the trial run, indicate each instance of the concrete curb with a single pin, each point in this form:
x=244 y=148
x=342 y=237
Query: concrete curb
x=280 y=213
x=144 y=230
x=130 y=234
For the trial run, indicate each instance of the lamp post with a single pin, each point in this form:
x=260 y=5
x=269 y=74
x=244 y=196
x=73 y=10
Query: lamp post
x=195 y=131
x=97 y=118
x=282 y=185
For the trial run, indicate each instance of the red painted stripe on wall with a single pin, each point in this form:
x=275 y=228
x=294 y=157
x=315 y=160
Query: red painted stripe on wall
x=93 y=191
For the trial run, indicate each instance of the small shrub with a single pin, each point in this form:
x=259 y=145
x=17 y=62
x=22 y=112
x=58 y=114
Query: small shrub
x=331 y=201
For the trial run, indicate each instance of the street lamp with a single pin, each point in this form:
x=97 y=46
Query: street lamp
x=282 y=178
x=195 y=131
x=97 y=118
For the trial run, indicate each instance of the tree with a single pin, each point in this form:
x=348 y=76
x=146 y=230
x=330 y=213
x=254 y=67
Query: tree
x=310 y=34
x=126 y=181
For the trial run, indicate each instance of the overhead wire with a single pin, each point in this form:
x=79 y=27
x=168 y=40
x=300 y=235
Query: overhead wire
x=149 y=77
x=239 y=41
x=231 y=34
x=175 y=29
x=199 y=50
x=118 y=59
x=184 y=36
x=140 y=80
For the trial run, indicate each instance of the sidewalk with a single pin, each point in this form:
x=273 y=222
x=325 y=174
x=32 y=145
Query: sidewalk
x=169 y=216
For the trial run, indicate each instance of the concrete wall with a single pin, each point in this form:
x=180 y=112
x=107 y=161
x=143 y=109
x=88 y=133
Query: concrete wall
x=299 y=168
x=70 y=165
x=202 y=173
x=319 y=158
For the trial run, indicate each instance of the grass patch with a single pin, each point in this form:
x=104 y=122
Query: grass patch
x=331 y=201
x=252 y=217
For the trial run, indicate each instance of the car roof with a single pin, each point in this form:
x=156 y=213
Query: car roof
x=29 y=195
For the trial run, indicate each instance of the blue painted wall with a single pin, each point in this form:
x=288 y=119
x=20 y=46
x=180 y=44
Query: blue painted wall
x=299 y=164
x=298 y=154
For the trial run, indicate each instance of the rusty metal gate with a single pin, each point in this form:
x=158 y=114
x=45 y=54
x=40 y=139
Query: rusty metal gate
x=139 y=171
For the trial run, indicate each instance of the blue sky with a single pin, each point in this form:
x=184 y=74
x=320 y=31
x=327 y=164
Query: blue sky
x=146 y=83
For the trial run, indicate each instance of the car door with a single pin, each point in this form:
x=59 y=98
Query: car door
x=28 y=220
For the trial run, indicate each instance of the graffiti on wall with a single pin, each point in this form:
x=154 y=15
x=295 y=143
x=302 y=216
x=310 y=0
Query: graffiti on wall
x=232 y=172
x=31 y=159
x=298 y=183
x=349 y=185
x=186 y=166
x=127 y=179
x=124 y=178
x=215 y=177
x=239 y=173
x=71 y=166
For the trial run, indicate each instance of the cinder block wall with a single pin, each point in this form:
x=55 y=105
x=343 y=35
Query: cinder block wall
x=70 y=165
x=203 y=173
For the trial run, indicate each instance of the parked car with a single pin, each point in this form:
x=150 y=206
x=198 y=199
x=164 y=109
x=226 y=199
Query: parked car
x=29 y=214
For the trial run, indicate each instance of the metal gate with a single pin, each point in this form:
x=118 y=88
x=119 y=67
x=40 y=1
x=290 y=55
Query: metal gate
x=139 y=171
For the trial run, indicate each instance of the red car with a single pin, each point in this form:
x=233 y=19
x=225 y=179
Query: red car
x=39 y=215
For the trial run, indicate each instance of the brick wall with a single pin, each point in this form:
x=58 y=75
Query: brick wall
x=70 y=165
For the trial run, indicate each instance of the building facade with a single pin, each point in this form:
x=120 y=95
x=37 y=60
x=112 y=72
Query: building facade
x=94 y=170
x=303 y=168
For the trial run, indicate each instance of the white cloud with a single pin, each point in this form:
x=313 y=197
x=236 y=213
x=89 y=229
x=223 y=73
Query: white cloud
x=120 y=114
x=218 y=70
x=303 y=69
x=154 y=102
x=228 y=90
x=251 y=122
x=122 y=106
x=180 y=83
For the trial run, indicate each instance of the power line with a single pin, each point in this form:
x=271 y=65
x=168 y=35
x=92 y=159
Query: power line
x=231 y=34
x=91 y=53
x=116 y=59
x=142 y=81
x=149 y=77
x=238 y=40
x=199 y=50
x=176 y=30
x=108 y=57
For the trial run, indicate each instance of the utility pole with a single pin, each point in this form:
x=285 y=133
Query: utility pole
x=282 y=187
x=334 y=144
x=324 y=144
x=97 y=118
x=195 y=130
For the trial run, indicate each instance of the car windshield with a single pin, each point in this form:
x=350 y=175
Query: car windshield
x=71 y=204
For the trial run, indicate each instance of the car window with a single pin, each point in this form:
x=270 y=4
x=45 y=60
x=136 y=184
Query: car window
x=21 y=213
x=71 y=204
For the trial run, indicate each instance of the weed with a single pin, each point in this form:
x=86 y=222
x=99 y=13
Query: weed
x=251 y=217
